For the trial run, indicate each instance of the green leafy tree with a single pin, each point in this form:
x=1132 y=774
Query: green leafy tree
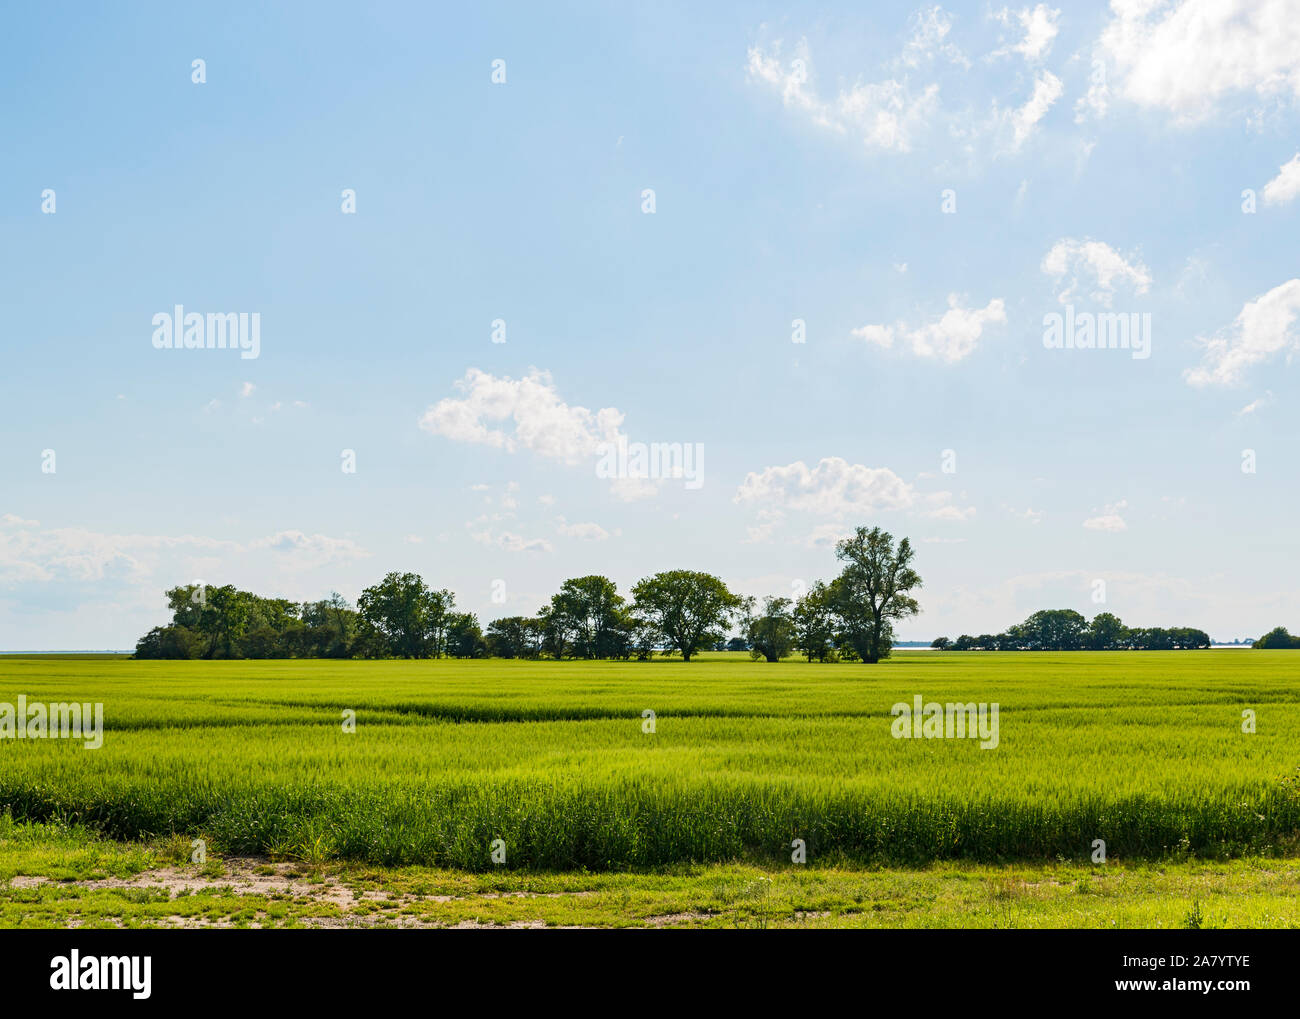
x=408 y=618
x=559 y=633
x=771 y=632
x=515 y=637
x=168 y=642
x=1106 y=633
x=464 y=637
x=331 y=627
x=689 y=610
x=873 y=591
x=814 y=623
x=1277 y=639
x=593 y=614
x=1055 y=630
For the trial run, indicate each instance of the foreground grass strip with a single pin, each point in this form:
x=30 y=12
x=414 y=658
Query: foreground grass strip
x=56 y=876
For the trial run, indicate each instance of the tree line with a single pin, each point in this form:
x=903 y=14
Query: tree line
x=1067 y=630
x=1278 y=638
x=679 y=612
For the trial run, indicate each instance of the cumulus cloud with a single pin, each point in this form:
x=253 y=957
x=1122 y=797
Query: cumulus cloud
x=1040 y=26
x=1187 y=58
x=1264 y=327
x=532 y=414
x=529 y=414
x=951 y=338
x=1286 y=185
x=1096 y=263
x=834 y=487
x=884 y=115
x=839 y=492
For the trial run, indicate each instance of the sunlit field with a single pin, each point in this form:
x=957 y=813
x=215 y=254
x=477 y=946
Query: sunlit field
x=1143 y=750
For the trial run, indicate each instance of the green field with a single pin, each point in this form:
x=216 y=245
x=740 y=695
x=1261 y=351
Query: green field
x=1142 y=750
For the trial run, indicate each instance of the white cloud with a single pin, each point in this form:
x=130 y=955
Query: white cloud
x=1096 y=101
x=930 y=28
x=1188 y=57
x=826 y=535
x=1286 y=185
x=1040 y=26
x=1261 y=329
x=951 y=338
x=246 y=389
x=584 y=531
x=541 y=421
x=1109 y=520
x=1256 y=404
x=29 y=553
x=884 y=115
x=770 y=518
x=511 y=542
x=833 y=488
x=1028 y=514
x=1098 y=262
x=1047 y=89
x=940 y=507
x=838 y=490
x=528 y=413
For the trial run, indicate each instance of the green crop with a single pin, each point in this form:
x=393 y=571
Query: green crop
x=1144 y=750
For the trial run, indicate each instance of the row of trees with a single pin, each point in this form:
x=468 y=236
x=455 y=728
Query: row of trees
x=1067 y=630
x=398 y=617
x=1279 y=638
x=674 y=612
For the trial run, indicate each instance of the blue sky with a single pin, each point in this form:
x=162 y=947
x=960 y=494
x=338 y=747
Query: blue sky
x=800 y=158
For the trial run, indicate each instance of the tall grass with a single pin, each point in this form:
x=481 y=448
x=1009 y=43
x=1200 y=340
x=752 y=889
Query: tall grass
x=1143 y=750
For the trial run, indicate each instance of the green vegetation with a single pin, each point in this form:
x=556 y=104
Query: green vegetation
x=1277 y=639
x=1143 y=750
x=676 y=612
x=1067 y=630
x=60 y=876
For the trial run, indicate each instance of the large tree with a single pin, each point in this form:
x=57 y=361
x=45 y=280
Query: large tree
x=594 y=613
x=1106 y=632
x=771 y=632
x=814 y=623
x=872 y=591
x=409 y=619
x=464 y=638
x=689 y=610
x=1056 y=630
x=1278 y=638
